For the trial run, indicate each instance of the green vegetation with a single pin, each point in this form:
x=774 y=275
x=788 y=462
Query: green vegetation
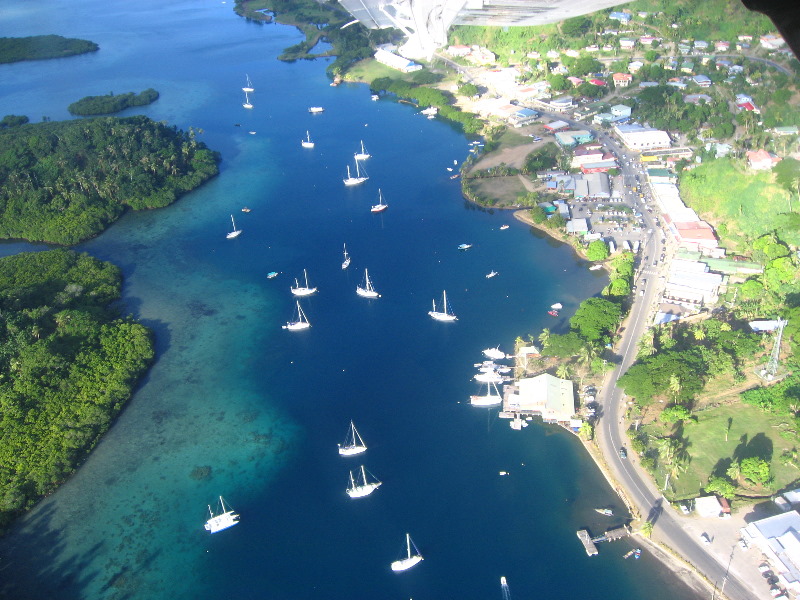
x=64 y=182
x=38 y=47
x=542 y=159
x=108 y=104
x=663 y=107
x=13 y=121
x=68 y=363
x=425 y=97
x=597 y=250
x=749 y=204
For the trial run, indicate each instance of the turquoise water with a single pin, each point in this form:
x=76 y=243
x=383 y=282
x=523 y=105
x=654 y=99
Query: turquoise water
x=264 y=408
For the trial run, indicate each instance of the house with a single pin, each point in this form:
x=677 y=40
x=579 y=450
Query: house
x=635 y=65
x=572 y=53
x=592 y=48
x=562 y=104
x=556 y=126
x=622 y=17
x=697 y=98
x=576 y=81
x=395 y=61
x=608 y=48
x=771 y=41
x=458 y=50
x=627 y=43
x=745 y=38
x=786 y=130
x=722 y=63
x=523 y=116
x=622 y=80
x=620 y=110
x=647 y=40
x=687 y=67
x=597 y=82
x=545 y=395
x=778 y=537
x=684 y=48
x=695 y=235
x=702 y=80
x=481 y=56
x=647 y=84
x=602 y=166
x=722 y=46
x=567 y=139
x=601 y=118
x=700 y=45
x=761 y=160
x=578 y=226
x=671 y=64
x=677 y=83
x=553 y=55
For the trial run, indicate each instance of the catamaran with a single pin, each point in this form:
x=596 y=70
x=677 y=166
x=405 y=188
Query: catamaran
x=303 y=290
x=222 y=520
x=346 y=261
x=363 y=155
x=410 y=560
x=300 y=321
x=246 y=102
x=353 y=443
x=380 y=206
x=367 y=291
x=444 y=315
x=249 y=86
x=359 y=488
x=359 y=178
x=488 y=399
x=307 y=143
x=234 y=232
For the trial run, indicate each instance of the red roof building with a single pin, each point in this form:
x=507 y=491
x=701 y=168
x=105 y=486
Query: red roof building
x=696 y=234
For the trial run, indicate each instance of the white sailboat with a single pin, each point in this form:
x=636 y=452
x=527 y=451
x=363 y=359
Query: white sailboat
x=353 y=443
x=249 y=86
x=491 y=274
x=234 y=232
x=359 y=488
x=410 y=560
x=303 y=290
x=299 y=322
x=489 y=399
x=444 y=314
x=307 y=143
x=346 y=261
x=363 y=155
x=222 y=520
x=367 y=291
x=359 y=178
x=246 y=102
x=380 y=206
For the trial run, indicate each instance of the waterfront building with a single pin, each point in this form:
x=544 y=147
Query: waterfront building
x=544 y=396
x=778 y=538
x=578 y=226
x=395 y=61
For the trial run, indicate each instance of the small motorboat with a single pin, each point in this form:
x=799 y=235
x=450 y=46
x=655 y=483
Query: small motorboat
x=504 y=227
x=552 y=313
x=605 y=511
x=315 y=109
x=464 y=246
x=595 y=267
x=556 y=306
x=491 y=274
x=375 y=97
x=245 y=209
x=272 y=274
x=455 y=175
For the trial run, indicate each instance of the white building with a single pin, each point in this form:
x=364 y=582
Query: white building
x=546 y=396
x=778 y=538
x=637 y=137
x=395 y=61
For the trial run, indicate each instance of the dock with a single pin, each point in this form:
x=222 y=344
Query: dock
x=588 y=544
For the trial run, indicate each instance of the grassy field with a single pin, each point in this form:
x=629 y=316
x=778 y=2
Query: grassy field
x=753 y=432
x=504 y=190
x=369 y=69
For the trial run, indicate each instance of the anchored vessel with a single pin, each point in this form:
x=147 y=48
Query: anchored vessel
x=360 y=487
x=300 y=320
x=367 y=291
x=410 y=560
x=300 y=290
x=234 y=232
x=222 y=520
x=353 y=443
x=444 y=314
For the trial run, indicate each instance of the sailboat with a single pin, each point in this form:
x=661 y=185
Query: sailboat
x=444 y=315
x=234 y=232
x=249 y=86
x=307 y=143
x=380 y=206
x=359 y=178
x=299 y=290
x=488 y=399
x=299 y=322
x=346 y=261
x=410 y=560
x=353 y=443
x=246 y=102
x=491 y=274
x=363 y=155
x=367 y=291
x=222 y=520
x=359 y=488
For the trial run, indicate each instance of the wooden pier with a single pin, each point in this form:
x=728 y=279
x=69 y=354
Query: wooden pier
x=588 y=544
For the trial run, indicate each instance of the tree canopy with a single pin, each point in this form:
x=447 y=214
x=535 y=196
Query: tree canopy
x=37 y=47
x=64 y=182
x=68 y=363
x=109 y=104
x=595 y=318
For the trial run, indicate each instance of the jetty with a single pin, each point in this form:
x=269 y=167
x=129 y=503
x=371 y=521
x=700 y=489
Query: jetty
x=588 y=543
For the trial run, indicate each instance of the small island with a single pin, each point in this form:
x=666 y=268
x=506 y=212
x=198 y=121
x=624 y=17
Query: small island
x=40 y=47
x=110 y=103
x=69 y=362
x=65 y=182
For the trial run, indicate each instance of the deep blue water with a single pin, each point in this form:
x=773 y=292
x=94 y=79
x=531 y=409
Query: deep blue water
x=265 y=408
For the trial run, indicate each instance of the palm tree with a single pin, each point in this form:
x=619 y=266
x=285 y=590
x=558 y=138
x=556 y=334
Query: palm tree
x=734 y=471
x=675 y=469
x=563 y=371
x=675 y=386
x=647 y=529
x=544 y=337
x=586 y=431
x=698 y=332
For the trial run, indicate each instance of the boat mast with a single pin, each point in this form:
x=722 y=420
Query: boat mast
x=408 y=544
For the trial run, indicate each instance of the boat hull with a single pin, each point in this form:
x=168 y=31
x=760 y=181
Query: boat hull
x=351 y=450
x=379 y=208
x=307 y=144
x=485 y=400
x=440 y=316
x=233 y=234
x=367 y=293
x=222 y=522
x=299 y=326
x=303 y=291
x=362 y=490
x=406 y=563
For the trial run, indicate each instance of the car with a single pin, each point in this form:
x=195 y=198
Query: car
x=705 y=539
x=641 y=293
x=684 y=509
x=623 y=453
x=537 y=139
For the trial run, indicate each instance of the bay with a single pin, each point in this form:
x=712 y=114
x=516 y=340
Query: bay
x=236 y=406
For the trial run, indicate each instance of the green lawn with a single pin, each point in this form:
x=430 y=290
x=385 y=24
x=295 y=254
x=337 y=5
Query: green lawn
x=752 y=433
x=370 y=69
